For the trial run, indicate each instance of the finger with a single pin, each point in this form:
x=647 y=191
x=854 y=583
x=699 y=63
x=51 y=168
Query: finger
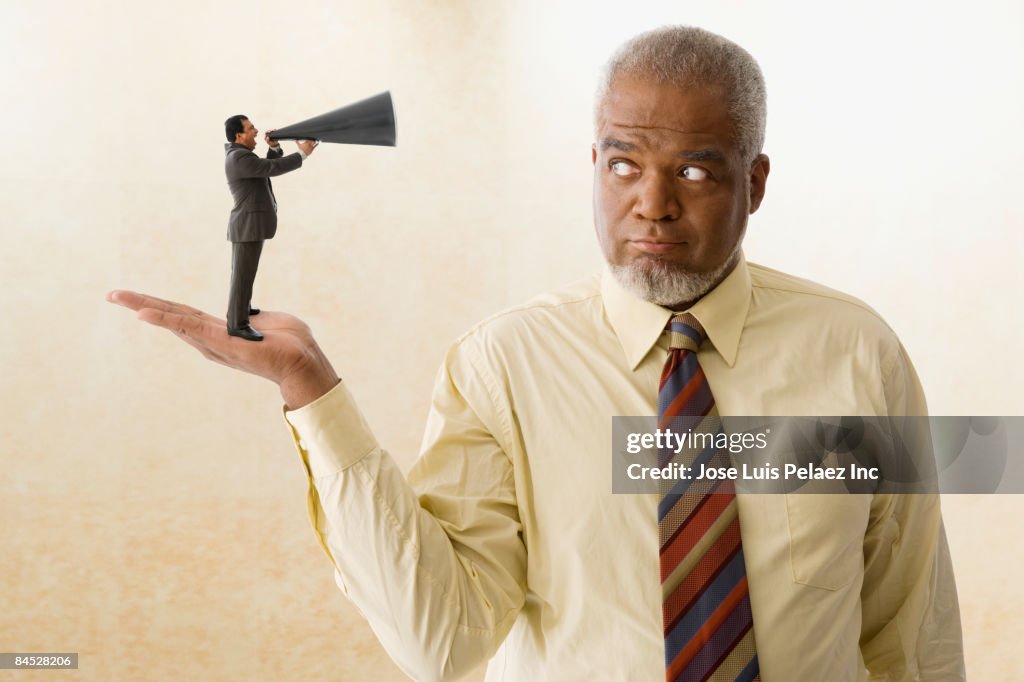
x=191 y=329
x=204 y=333
x=179 y=323
x=137 y=301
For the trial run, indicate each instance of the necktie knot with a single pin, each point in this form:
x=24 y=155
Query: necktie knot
x=685 y=332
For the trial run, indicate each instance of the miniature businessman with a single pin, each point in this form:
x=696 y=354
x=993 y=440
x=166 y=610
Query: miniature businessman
x=254 y=216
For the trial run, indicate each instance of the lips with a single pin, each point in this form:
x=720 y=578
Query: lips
x=655 y=245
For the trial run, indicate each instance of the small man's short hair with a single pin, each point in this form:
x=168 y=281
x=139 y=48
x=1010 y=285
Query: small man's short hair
x=233 y=126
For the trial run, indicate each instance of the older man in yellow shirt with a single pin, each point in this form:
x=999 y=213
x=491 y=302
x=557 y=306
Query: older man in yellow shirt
x=505 y=541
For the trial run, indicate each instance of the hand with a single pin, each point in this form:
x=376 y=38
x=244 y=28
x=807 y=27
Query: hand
x=288 y=354
x=273 y=144
x=307 y=146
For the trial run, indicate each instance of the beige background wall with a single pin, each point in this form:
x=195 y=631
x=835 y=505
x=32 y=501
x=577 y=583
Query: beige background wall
x=152 y=512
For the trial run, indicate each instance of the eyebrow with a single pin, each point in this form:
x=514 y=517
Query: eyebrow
x=611 y=143
x=707 y=154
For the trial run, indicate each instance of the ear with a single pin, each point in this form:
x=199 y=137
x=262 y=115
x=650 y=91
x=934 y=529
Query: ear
x=593 y=153
x=758 y=180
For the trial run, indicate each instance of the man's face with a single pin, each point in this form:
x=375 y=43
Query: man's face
x=247 y=138
x=671 y=192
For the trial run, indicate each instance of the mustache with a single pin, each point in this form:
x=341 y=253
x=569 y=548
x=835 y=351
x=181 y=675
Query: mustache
x=659 y=232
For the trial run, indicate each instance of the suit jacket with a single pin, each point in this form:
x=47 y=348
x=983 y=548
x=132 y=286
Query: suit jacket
x=254 y=216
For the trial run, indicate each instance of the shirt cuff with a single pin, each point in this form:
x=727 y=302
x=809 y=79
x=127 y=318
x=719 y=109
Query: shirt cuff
x=303 y=154
x=332 y=432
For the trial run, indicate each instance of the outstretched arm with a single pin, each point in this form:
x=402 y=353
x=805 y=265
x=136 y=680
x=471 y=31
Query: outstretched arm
x=436 y=565
x=438 y=568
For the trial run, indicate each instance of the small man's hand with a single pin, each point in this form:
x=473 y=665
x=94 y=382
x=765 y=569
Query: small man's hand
x=307 y=146
x=288 y=355
x=273 y=144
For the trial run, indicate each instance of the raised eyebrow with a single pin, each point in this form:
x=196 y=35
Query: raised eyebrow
x=701 y=155
x=611 y=143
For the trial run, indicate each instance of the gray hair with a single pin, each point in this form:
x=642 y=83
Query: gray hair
x=688 y=56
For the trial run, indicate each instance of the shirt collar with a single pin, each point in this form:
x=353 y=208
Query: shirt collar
x=638 y=324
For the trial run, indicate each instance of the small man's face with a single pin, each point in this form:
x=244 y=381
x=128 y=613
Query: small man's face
x=671 y=192
x=247 y=138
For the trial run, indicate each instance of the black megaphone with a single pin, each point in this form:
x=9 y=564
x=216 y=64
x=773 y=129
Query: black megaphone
x=368 y=121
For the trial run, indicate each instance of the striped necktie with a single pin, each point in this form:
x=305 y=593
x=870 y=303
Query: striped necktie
x=708 y=626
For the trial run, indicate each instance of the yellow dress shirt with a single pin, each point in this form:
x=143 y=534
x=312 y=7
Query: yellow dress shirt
x=505 y=540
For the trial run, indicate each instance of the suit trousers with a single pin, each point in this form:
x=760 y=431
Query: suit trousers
x=245 y=258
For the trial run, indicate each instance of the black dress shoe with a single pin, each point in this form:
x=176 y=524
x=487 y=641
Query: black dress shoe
x=246 y=332
x=254 y=311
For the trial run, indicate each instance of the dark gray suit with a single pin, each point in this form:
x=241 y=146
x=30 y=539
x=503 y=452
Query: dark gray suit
x=253 y=219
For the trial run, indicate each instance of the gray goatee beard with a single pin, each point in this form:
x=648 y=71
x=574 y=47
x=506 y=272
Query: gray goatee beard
x=667 y=284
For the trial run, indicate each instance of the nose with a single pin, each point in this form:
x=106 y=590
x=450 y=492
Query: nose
x=656 y=198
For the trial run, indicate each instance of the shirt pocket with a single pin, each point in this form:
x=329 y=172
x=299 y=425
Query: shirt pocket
x=826 y=537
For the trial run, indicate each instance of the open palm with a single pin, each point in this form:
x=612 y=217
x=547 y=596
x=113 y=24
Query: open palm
x=288 y=354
